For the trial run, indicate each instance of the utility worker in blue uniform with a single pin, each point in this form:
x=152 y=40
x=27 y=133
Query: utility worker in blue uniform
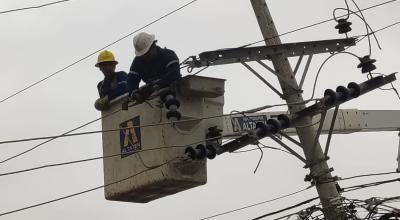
x=114 y=83
x=157 y=67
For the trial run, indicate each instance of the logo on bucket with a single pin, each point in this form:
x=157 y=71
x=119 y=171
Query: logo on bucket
x=130 y=137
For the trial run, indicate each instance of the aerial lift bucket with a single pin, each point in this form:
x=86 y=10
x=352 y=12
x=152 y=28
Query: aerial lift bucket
x=144 y=154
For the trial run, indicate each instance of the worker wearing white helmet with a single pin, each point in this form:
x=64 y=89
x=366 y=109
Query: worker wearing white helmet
x=152 y=64
x=114 y=83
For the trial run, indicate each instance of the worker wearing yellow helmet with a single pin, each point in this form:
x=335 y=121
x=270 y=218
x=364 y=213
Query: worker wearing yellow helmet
x=114 y=83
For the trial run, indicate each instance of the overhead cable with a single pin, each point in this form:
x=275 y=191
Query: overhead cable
x=100 y=157
x=55 y=137
x=166 y=15
x=256 y=204
x=68 y=134
x=33 y=7
x=288 y=208
x=85 y=191
x=95 y=52
x=318 y=23
x=367 y=185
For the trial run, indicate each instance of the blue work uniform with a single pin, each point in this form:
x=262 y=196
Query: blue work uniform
x=113 y=86
x=163 y=68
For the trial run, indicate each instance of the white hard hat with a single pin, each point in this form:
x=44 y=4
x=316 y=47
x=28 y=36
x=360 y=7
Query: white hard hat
x=142 y=43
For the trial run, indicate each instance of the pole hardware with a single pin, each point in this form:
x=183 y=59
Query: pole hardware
x=343 y=26
x=343 y=94
x=247 y=54
x=172 y=104
x=366 y=64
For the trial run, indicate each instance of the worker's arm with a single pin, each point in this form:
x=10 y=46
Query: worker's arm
x=122 y=86
x=134 y=77
x=171 y=70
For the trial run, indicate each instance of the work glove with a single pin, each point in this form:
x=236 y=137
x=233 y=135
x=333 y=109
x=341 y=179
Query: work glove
x=102 y=103
x=146 y=90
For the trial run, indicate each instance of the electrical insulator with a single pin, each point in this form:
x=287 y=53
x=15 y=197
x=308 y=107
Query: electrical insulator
x=214 y=132
x=201 y=152
x=366 y=64
x=172 y=104
x=342 y=94
x=273 y=126
x=343 y=26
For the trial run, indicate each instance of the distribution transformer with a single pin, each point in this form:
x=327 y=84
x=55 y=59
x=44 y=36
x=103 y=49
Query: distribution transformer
x=145 y=141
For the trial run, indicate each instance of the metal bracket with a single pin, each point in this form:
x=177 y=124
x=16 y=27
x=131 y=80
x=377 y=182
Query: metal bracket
x=290 y=139
x=328 y=141
x=264 y=81
x=321 y=124
x=296 y=68
x=238 y=55
x=295 y=87
x=303 y=77
x=289 y=149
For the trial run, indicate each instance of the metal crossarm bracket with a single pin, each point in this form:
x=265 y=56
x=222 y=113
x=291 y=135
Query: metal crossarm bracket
x=328 y=142
x=277 y=75
x=290 y=139
x=321 y=124
x=238 y=55
x=264 y=80
x=289 y=149
x=303 y=77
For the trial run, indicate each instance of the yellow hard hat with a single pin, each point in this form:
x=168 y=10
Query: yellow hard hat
x=105 y=56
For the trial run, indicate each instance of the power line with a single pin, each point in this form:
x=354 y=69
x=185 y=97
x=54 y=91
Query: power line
x=162 y=17
x=101 y=157
x=346 y=189
x=256 y=204
x=95 y=52
x=367 y=185
x=68 y=134
x=86 y=191
x=285 y=209
x=369 y=175
x=55 y=137
x=33 y=7
x=344 y=52
x=318 y=23
x=276 y=212
x=51 y=138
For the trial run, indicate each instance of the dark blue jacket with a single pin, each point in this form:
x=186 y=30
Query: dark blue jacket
x=113 y=86
x=163 y=68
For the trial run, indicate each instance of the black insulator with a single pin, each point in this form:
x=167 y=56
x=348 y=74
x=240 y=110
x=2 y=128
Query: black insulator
x=213 y=132
x=331 y=96
x=355 y=89
x=174 y=114
x=275 y=125
x=201 y=152
x=191 y=152
x=343 y=26
x=262 y=129
x=165 y=95
x=172 y=101
x=211 y=152
x=343 y=93
x=284 y=120
x=366 y=64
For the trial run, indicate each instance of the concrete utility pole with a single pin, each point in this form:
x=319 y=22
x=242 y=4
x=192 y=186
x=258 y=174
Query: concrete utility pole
x=314 y=155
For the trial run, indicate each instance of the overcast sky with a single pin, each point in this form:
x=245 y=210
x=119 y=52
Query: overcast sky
x=36 y=43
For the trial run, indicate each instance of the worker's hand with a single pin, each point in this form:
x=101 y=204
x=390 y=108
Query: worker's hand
x=102 y=103
x=136 y=96
x=146 y=90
